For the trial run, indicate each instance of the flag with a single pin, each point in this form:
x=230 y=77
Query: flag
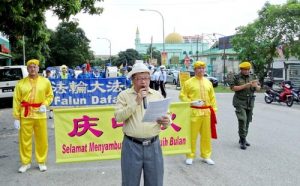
x=88 y=66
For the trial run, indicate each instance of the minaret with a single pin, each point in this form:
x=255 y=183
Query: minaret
x=137 y=37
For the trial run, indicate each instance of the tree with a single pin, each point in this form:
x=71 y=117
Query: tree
x=27 y=18
x=155 y=54
x=69 y=46
x=258 y=41
x=127 y=57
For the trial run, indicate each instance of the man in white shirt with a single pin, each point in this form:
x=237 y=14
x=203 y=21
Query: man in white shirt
x=162 y=78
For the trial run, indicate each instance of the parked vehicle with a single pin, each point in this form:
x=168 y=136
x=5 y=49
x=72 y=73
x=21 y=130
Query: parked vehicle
x=296 y=94
x=172 y=77
x=9 y=76
x=295 y=91
x=283 y=95
x=213 y=80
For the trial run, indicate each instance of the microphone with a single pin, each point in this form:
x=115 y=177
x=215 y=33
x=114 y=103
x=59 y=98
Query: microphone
x=145 y=102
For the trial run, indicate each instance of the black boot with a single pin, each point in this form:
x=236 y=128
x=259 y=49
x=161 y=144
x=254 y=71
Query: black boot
x=243 y=143
x=247 y=143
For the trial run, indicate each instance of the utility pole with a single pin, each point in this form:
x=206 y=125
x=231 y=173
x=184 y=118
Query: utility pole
x=224 y=60
x=197 y=52
x=109 y=46
x=24 y=57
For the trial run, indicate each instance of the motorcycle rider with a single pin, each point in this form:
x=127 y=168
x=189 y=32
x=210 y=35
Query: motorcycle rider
x=244 y=85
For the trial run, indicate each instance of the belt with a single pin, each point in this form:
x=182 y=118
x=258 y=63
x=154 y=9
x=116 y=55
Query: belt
x=27 y=105
x=213 y=119
x=142 y=141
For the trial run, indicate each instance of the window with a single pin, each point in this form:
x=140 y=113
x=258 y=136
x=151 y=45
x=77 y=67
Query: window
x=277 y=73
x=10 y=74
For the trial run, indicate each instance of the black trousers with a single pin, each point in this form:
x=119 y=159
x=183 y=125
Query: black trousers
x=162 y=88
x=152 y=84
x=156 y=85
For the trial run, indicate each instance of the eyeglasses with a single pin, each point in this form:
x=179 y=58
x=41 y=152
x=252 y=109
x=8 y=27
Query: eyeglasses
x=142 y=78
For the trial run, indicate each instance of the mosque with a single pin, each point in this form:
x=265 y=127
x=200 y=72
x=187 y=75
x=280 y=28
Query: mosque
x=182 y=51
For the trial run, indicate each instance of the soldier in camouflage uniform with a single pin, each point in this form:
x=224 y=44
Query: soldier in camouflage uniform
x=244 y=85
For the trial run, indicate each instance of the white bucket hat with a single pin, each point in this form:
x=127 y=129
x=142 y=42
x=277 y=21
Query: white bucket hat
x=63 y=67
x=138 y=67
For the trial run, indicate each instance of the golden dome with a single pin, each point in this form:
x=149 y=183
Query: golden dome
x=174 y=38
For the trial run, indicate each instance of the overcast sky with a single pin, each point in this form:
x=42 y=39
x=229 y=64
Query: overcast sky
x=121 y=18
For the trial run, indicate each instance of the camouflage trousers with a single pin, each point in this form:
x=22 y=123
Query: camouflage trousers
x=244 y=117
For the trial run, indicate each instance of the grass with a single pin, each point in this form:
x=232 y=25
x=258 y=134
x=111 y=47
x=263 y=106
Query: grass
x=225 y=89
x=222 y=89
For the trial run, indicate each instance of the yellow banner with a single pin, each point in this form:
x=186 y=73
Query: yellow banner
x=164 y=58
x=86 y=134
x=183 y=76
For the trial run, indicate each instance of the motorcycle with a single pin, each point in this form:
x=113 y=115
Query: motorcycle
x=285 y=95
x=296 y=95
x=295 y=92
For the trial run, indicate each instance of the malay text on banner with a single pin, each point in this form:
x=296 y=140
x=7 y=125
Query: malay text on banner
x=86 y=134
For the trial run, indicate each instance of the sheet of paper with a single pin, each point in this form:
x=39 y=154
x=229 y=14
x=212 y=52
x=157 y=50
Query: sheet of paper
x=156 y=109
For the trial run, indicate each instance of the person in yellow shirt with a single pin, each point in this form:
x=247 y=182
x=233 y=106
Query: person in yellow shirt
x=199 y=91
x=141 y=150
x=31 y=97
x=64 y=72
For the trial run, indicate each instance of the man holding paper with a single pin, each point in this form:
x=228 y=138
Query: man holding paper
x=199 y=91
x=141 y=149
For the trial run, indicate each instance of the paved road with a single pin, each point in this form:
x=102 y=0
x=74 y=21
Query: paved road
x=272 y=159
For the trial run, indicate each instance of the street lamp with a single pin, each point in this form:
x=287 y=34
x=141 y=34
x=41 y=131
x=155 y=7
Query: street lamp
x=109 y=47
x=163 y=24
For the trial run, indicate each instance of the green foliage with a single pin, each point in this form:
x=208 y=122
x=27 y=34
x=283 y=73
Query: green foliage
x=155 y=54
x=127 y=57
x=277 y=25
x=98 y=62
x=27 y=17
x=69 y=46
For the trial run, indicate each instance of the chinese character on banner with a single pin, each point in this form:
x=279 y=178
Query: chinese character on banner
x=85 y=125
x=164 y=57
